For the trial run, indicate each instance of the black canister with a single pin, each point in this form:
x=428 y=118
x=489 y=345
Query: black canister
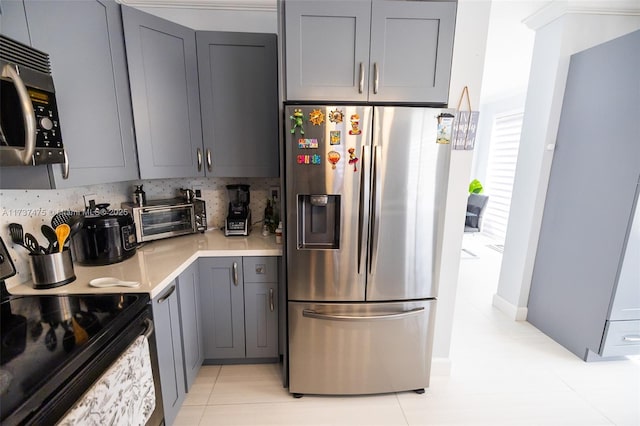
x=139 y=197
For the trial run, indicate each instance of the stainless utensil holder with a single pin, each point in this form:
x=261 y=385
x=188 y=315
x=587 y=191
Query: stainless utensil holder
x=51 y=270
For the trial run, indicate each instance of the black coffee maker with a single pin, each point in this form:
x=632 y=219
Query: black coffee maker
x=238 y=220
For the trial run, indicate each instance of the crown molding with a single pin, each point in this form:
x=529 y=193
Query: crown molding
x=558 y=8
x=237 y=5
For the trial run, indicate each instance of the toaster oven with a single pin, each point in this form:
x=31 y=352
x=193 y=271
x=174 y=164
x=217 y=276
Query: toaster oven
x=167 y=218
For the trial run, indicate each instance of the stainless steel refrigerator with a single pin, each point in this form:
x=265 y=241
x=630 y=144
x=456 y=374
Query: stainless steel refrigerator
x=365 y=193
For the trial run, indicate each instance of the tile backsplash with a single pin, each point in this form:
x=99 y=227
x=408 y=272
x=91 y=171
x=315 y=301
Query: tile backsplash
x=32 y=208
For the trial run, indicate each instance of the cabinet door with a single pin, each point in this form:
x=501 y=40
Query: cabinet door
x=13 y=21
x=411 y=51
x=261 y=319
x=166 y=318
x=221 y=295
x=261 y=306
x=327 y=50
x=239 y=99
x=84 y=40
x=164 y=91
x=191 y=323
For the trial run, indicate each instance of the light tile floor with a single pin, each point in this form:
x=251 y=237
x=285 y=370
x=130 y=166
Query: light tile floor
x=503 y=373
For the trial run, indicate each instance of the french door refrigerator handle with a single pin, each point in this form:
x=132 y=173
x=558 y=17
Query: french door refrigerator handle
x=361 y=205
x=308 y=313
x=375 y=210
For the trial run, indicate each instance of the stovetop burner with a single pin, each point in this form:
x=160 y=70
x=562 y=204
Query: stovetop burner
x=46 y=338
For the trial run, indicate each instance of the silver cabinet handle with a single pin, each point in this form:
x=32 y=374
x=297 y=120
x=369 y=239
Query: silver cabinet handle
x=65 y=166
x=209 y=159
x=376 y=77
x=167 y=294
x=235 y=273
x=11 y=73
x=631 y=339
x=199 y=159
x=316 y=315
x=271 y=303
x=361 y=81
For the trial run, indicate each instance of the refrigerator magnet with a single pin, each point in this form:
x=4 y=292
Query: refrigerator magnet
x=314 y=159
x=353 y=159
x=334 y=137
x=333 y=157
x=297 y=120
x=445 y=126
x=336 y=116
x=316 y=117
x=307 y=143
x=355 y=125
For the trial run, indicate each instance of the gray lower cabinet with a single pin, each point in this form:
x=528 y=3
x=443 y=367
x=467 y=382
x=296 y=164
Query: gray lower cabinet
x=585 y=289
x=239 y=101
x=369 y=50
x=166 y=316
x=239 y=308
x=163 y=73
x=88 y=63
x=191 y=322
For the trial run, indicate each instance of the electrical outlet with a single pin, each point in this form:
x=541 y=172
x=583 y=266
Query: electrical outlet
x=274 y=193
x=197 y=191
x=88 y=198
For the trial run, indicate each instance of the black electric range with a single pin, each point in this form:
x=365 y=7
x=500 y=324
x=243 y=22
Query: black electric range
x=54 y=348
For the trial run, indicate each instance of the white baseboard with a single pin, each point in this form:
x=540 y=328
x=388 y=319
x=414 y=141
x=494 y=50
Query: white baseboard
x=440 y=367
x=516 y=313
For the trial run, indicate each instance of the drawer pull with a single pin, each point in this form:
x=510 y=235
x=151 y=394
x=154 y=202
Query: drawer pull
x=631 y=338
x=313 y=314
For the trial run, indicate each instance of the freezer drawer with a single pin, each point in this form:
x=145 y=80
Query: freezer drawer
x=341 y=349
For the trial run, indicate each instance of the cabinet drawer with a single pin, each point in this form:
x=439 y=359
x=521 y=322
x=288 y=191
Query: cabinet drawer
x=260 y=269
x=621 y=338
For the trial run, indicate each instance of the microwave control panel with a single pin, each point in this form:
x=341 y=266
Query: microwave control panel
x=49 y=148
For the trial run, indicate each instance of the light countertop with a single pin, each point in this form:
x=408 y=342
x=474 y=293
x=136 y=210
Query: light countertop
x=157 y=263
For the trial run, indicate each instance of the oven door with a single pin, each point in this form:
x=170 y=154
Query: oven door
x=166 y=221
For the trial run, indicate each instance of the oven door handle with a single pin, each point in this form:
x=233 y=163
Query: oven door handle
x=149 y=329
x=8 y=71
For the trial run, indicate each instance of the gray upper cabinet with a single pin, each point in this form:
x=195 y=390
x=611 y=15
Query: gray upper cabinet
x=13 y=21
x=239 y=102
x=164 y=90
x=411 y=51
x=369 y=50
x=85 y=42
x=327 y=50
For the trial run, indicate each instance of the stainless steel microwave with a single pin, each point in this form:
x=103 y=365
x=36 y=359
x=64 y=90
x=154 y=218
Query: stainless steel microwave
x=29 y=123
x=167 y=218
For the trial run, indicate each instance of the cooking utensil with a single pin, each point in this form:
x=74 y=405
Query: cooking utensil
x=62 y=232
x=75 y=225
x=112 y=282
x=17 y=234
x=79 y=333
x=60 y=218
x=51 y=236
x=32 y=245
